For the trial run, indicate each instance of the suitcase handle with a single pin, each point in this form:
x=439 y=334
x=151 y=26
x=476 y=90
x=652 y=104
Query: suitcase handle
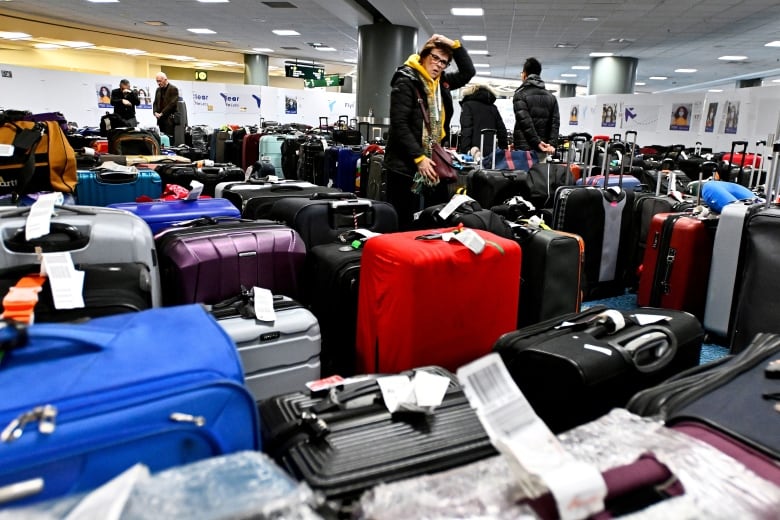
x=61 y=237
x=648 y=349
x=332 y=196
x=116 y=177
x=68 y=339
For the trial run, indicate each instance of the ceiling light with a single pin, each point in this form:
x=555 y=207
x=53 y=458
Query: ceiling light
x=467 y=11
x=474 y=38
x=483 y=65
x=580 y=67
x=325 y=49
x=285 y=32
x=262 y=49
x=732 y=58
x=134 y=52
x=565 y=45
x=213 y=1
x=685 y=70
x=47 y=46
x=564 y=75
x=351 y=60
x=776 y=81
x=658 y=77
x=155 y=23
x=201 y=30
x=221 y=42
x=590 y=19
x=181 y=58
x=715 y=90
x=480 y=52
x=559 y=81
x=204 y=65
x=775 y=43
x=640 y=83
x=483 y=73
x=14 y=35
x=600 y=54
x=104 y=1
x=78 y=45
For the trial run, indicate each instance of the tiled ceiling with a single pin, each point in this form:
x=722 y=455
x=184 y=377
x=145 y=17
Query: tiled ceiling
x=663 y=35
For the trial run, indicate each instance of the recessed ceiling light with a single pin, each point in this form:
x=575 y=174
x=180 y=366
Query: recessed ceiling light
x=715 y=90
x=467 y=11
x=14 y=35
x=483 y=73
x=600 y=54
x=775 y=43
x=474 y=38
x=325 y=49
x=78 y=45
x=732 y=58
x=201 y=30
x=204 y=65
x=580 y=67
x=221 y=42
x=213 y=1
x=658 y=77
x=47 y=46
x=565 y=75
x=640 y=83
x=483 y=65
x=565 y=45
x=351 y=60
x=155 y=23
x=181 y=58
x=262 y=49
x=480 y=52
x=559 y=81
x=685 y=70
x=134 y=52
x=590 y=19
x=285 y=32
x=776 y=81
x=104 y=1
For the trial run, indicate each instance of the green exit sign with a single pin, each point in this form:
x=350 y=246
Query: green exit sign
x=331 y=80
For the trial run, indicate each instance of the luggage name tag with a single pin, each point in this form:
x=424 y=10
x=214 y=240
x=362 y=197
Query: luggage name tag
x=421 y=393
x=534 y=454
x=455 y=202
x=469 y=238
x=38 y=221
x=263 y=304
x=67 y=284
x=196 y=188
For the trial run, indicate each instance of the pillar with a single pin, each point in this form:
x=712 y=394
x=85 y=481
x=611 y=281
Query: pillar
x=752 y=82
x=567 y=90
x=382 y=47
x=346 y=88
x=256 y=69
x=612 y=75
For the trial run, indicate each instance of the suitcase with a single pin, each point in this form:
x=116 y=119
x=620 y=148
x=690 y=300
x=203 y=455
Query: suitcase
x=468 y=213
x=99 y=187
x=125 y=141
x=256 y=203
x=423 y=301
x=250 y=150
x=629 y=181
x=163 y=214
x=278 y=356
x=253 y=183
x=84 y=402
x=676 y=265
x=552 y=273
x=312 y=159
x=270 y=146
x=376 y=184
x=493 y=187
x=211 y=261
x=92 y=235
x=209 y=176
x=577 y=367
x=602 y=217
x=362 y=444
x=341 y=164
x=321 y=218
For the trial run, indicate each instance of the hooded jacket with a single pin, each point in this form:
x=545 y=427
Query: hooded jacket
x=536 y=115
x=479 y=112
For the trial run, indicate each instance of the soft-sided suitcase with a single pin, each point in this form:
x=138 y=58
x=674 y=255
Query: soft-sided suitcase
x=424 y=301
x=278 y=356
x=468 y=213
x=493 y=187
x=321 y=218
x=250 y=184
x=92 y=235
x=250 y=150
x=211 y=261
x=163 y=214
x=346 y=441
x=577 y=367
x=676 y=265
x=256 y=203
x=99 y=187
x=84 y=402
x=376 y=183
x=127 y=141
x=209 y=176
x=312 y=162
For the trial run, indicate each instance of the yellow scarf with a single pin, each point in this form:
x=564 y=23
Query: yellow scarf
x=436 y=108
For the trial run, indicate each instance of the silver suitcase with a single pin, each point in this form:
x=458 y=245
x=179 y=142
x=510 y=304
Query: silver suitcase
x=92 y=235
x=278 y=357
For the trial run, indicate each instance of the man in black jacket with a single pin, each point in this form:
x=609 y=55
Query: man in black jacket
x=537 y=120
x=124 y=100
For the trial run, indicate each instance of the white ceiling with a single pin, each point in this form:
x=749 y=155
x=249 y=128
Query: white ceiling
x=663 y=35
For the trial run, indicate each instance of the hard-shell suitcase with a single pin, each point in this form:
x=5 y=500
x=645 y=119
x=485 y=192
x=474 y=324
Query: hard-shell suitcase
x=278 y=356
x=160 y=215
x=424 y=301
x=576 y=367
x=312 y=162
x=250 y=150
x=676 y=265
x=210 y=261
x=341 y=164
x=346 y=441
x=92 y=235
x=86 y=401
x=270 y=146
x=321 y=218
x=209 y=176
x=99 y=187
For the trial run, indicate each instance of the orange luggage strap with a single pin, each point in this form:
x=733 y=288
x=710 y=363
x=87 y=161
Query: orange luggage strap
x=19 y=303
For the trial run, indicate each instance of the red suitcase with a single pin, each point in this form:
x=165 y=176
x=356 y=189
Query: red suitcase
x=676 y=265
x=250 y=150
x=429 y=302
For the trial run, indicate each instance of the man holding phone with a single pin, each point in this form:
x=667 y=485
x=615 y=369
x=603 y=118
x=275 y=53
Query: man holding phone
x=124 y=100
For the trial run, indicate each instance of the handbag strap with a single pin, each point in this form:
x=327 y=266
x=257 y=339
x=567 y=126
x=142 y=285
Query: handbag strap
x=426 y=117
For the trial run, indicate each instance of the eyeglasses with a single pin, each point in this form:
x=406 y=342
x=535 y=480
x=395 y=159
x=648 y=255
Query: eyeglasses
x=441 y=61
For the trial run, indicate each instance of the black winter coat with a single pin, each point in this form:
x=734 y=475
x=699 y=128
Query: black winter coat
x=478 y=112
x=536 y=115
x=454 y=80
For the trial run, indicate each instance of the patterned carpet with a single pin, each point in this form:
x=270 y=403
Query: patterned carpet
x=709 y=351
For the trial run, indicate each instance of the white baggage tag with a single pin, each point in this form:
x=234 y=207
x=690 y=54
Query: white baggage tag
x=38 y=221
x=67 y=284
x=264 y=304
x=429 y=389
x=469 y=238
x=366 y=233
x=453 y=204
x=649 y=319
x=113 y=167
x=396 y=391
x=532 y=449
x=196 y=188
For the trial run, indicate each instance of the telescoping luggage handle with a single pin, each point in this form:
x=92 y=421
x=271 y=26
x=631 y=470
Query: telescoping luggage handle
x=489 y=131
x=755 y=179
x=619 y=149
x=773 y=175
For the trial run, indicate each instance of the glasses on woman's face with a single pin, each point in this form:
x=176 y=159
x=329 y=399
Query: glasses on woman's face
x=438 y=60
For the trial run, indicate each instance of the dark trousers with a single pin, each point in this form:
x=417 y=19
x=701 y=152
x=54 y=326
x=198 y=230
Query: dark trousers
x=406 y=203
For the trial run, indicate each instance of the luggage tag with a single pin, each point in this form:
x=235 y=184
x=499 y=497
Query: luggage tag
x=38 y=221
x=421 y=393
x=7 y=150
x=67 y=284
x=196 y=188
x=263 y=304
x=455 y=202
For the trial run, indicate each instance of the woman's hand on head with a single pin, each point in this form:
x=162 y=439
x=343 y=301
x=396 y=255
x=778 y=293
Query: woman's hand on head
x=443 y=39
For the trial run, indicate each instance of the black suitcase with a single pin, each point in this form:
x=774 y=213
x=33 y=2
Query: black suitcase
x=469 y=213
x=312 y=162
x=321 y=218
x=256 y=202
x=577 y=367
x=209 y=176
x=345 y=441
x=493 y=187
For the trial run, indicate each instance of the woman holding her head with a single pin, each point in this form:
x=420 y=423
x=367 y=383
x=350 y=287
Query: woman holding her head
x=421 y=83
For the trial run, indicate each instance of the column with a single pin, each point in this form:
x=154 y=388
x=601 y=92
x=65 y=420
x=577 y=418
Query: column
x=382 y=48
x=255 y=69
x=346 y=88
x=567 y=90
x=612 y=75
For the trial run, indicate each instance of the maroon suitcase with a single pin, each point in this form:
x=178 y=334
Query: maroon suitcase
x=211 y=261
x=676 y=265
x=250 y=150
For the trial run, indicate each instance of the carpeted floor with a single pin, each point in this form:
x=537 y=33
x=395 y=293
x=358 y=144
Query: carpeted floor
x=709 y=351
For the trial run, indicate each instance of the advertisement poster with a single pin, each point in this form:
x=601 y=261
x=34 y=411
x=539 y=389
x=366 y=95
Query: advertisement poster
x=681 y=117
x=574 y=115
x=712 y=113
x=731 y=111
x=103 y=92
x=290 y=105
x=145 y=96
x=609 y=115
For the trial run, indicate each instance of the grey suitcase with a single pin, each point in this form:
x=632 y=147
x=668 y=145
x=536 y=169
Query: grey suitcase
x=92 y=235
x=278 y=357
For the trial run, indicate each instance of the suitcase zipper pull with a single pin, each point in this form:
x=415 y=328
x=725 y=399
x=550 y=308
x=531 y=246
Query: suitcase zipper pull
x=45 y=416
x=197 y=420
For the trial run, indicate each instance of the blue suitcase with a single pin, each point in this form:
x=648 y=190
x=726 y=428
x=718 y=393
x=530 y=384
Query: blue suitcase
x=341 y=164
x=101 y=188
x=164 y=214
x=84 y=402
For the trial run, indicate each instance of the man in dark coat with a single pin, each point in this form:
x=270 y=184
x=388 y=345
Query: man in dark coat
x=478 y=112
x=537 y=120
x=124 y=100
x=166 y=100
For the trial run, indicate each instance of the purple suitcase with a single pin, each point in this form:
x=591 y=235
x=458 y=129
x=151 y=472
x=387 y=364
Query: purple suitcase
x=166 y=213
x=212 y=262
